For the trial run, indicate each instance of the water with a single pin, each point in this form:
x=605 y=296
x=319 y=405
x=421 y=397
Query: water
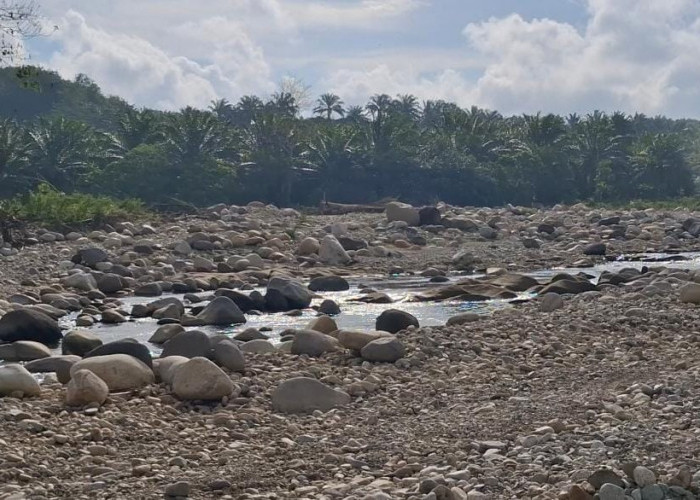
x=361 y=316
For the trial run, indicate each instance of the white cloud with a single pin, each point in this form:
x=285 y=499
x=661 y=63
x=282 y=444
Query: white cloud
x=145 y=74
x=365 y=14
x=633 y=55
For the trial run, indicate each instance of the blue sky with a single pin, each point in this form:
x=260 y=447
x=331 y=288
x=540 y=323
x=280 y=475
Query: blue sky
x=515 y=56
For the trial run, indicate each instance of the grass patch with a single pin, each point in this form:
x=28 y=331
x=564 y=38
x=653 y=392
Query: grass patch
x=50 y=207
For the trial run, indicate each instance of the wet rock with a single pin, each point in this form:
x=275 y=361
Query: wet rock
x=305 y=395
x=80 y=342
x=463 y=318
x=329 y=284
x=16 y=379
x=329 y=307
x=285 y=294
x=323 y=324
x=119 y=371
x=394 y=320
x=165 y=333
x=568 y=286
x=595 y=249
x=110 y=283
x=25 y=324
x=200 y=379
x=129 y=346
x=149 y=290
x=250 y=334
x=112 y=317
x=221 y=311
x=86 y=388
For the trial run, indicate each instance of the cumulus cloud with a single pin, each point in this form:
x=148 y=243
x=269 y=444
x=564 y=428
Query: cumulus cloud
x=633 y=55
x=145 y=74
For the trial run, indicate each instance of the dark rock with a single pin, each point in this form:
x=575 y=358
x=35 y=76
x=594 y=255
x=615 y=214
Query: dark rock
x=545 y=228
x=329 y=307
x=26 y=324
x=243 y=301
x=110 y=283
x=190 y=344
x=329 y=284
x=394 y=320
x=149 y=290
x=349 y=243
x=295 y=295
x=595 y=249
x=430 y=216
x=609 y=221
x=90 y=256
x=568 y=286
x=221 y=311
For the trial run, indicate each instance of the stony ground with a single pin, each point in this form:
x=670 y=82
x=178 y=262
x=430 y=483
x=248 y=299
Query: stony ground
x=520 y=404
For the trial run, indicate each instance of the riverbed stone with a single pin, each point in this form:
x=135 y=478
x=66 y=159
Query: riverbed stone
x=128 y=345
x=221 y=311
x=190 y=344
x=313 y=343
x=86 y=388
x=200 y=379
x=228 y=355
x=29 y=324
x=329 y=284
x=305 y=395
x=119 y=371
x=394 y=320
x=166 y=332
x=384 y=350
x=24 y=350
x=323 y=324
x=15 y=378
x=80 y=342
x=332 y=252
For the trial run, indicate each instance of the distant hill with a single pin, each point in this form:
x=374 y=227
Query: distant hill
x=31 y=92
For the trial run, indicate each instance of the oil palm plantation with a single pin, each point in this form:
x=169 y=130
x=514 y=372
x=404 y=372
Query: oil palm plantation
x=329 y=104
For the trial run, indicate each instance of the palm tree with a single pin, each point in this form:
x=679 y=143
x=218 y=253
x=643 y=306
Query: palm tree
x=136 y=127
x=283 y=103
x=193 y=135
x=14 y=156
x=222 y=109
x=245 y=111
x=407 y=105
x=328 y=104
x=355 y=114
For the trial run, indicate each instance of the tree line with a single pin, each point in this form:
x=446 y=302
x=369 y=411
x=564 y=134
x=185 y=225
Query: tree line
x=69 y=135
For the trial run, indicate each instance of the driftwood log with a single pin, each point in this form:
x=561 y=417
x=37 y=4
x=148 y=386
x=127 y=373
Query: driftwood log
x=329 y=208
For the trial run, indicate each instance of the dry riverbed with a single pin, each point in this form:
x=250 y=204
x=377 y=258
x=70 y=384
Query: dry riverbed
x=593 y=394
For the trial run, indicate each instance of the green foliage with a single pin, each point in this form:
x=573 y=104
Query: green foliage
x=50 y=207
x=67 y=133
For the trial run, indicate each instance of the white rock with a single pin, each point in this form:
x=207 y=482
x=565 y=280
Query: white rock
x=119 y=371
x=16 y=378
x=200 y=379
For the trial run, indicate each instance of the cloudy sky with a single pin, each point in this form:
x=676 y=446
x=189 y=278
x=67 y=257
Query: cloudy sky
x=514 y=56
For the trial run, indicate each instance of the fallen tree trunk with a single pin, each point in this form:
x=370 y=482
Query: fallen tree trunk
x=329 y=208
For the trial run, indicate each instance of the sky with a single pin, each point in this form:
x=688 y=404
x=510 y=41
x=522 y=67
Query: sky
x=512 y=56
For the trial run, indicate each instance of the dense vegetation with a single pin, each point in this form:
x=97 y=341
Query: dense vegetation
x=69 y=135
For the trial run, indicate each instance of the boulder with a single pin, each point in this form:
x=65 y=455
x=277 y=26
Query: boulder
x=200 y=379
x=190 y=344
x=165 y=332
x=221 y=311
x=572 y=286
x=90 y=257
x=128 y=346
x=306 y=395
x=29 y=324
x=690 y=293
x=23 y=350
x=595 y=249
x=461 y=223
x=551 y=301
x=323 y=324
x=463 y=261
x=164 y=367
x=228 y=355
x=384 y=350
x=80 y=342
x=203 y=265
x=60 y=365
x=112 y=317
x=332 y=252
x=312 y=343
x=244 y=302
x=329 y=307
x=120 y=372
x=429 y=216
x=86 y=388
x=514 y=282
x=329 y=284
x=110 y=283
x=404 y=212
x=394 y=320
x=356 y=340
x=149 y=290
x=258 y=346
x=308 y=246
x=294 y=295
x=349 y=243
x=15 y=379
x=250 y=334
x=463 y=319
x=80 y=281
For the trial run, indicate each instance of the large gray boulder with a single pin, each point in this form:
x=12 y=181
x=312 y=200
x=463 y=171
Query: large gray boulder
x=23 y=350
x=396 y=211
x=80 y=342
x=129 y=346
x=394 y=320
x=384 y=350
x=84 y=282
x=200 y=379
x=305 y=395
x=120 y=372
x=228 y=355
x=90 y=256
x=165 y=333
x=15 y=378
x=221 y=311
x=86 y=388
x=190 y=344
x=329 y=284
x=356 y=340
x=313 y=343
x=332 y=252
x=284 y=294
x=26 y=324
